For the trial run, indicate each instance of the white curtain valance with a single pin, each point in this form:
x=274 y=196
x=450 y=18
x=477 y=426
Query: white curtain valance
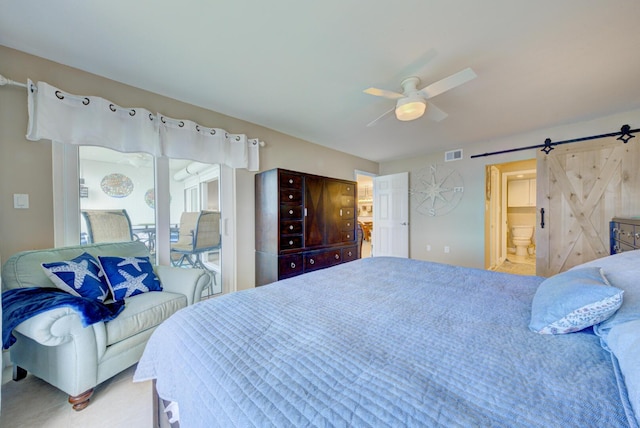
x=184 y=139
x=87 y=120
x=93 y=121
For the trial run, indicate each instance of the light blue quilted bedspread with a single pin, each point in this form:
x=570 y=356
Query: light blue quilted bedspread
x=380 y=342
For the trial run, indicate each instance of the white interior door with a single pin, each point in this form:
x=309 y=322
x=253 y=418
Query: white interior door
x=391 y=215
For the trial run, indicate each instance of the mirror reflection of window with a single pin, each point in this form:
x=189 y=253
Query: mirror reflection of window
x=112 y=181
x=199 y=186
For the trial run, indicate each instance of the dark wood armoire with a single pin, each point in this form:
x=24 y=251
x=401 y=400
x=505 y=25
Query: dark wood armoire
x=304 y=222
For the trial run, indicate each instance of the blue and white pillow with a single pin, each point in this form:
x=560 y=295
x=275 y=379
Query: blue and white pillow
x=81 y=276
x=128 y=276
x=572 y=301
x=622 y=271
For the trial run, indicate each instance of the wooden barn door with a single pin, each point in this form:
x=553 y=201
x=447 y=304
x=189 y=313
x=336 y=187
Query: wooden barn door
x=581 y=187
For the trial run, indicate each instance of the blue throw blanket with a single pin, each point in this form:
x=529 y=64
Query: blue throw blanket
x=20 y=304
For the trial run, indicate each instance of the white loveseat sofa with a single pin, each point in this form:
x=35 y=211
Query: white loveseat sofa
x=55 y=347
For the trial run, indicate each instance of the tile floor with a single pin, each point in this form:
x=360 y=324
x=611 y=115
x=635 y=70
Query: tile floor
x=116 y=403
x=521 y=265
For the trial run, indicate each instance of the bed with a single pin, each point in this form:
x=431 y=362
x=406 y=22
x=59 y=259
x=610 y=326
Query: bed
x=387 y=342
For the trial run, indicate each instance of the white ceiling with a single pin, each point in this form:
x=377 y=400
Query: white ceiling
x=300 y=67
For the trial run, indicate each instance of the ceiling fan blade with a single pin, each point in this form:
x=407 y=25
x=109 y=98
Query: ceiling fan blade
x=379 y=118
x=447 y=83
x=434 y=113
x=383 y=93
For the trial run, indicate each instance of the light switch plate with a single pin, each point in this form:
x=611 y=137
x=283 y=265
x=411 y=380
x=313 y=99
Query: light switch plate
x=20 y=200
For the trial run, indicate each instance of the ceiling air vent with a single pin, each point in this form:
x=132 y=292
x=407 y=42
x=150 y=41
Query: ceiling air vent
x=453 y=155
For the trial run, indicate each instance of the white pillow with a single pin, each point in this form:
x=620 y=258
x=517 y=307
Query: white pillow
x=573 y=300
x=622 y=271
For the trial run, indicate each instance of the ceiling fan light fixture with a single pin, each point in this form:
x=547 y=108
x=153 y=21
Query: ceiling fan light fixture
x=410 y=108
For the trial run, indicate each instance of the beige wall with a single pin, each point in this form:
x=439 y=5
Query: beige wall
x=25 y=166
x=462 y=230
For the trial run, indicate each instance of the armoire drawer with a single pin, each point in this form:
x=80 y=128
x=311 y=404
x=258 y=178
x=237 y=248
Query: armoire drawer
x=291 y=196
x=349 y=254
x=348 y=235
x=288 y=180
x=290 y=265
x=346 y=213
x=348 y=201
x=348 y=189
x=291 y=212
x=348 y=225
x=293 y=227
x=290 y=242
x=321 y=259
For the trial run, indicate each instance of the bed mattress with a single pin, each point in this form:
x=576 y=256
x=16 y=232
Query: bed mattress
x=380 y=342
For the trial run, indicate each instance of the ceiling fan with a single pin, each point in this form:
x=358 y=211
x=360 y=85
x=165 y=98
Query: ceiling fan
x=412 y=102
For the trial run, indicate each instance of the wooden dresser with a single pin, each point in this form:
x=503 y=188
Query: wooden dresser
x=624 y=234
x=304 y=222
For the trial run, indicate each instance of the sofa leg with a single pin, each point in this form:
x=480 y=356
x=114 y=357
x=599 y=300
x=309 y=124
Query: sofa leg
x=81 y=401
x=19 y=373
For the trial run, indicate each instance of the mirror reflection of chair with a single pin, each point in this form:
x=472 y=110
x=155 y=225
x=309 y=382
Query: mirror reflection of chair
x=107 y=225
x=199 y=235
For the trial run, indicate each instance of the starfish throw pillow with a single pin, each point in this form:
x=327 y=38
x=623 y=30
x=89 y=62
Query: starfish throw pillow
x=128 y=276
x=81 y=277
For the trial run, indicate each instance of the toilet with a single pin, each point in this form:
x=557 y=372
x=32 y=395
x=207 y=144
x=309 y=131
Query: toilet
x=521 y=236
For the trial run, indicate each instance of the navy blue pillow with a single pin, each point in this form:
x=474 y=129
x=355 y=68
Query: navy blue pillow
x=128 y=276
x=81 y=277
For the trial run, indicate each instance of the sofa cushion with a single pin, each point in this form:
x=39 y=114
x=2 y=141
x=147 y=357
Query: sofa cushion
x=129 y=276
x=82 y=277
x=142 y=312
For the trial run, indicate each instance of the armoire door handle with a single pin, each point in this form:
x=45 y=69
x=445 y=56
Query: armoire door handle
x=541 y=218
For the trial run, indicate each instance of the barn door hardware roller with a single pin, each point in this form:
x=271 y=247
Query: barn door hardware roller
x=624 y=135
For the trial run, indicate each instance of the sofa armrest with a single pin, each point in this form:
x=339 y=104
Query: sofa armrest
x=52 y=328
x=190 y=282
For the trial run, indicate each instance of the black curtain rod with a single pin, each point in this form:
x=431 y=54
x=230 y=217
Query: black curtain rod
x=625 y=134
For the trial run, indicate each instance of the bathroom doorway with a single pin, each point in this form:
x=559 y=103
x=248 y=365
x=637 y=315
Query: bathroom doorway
x=510 y=220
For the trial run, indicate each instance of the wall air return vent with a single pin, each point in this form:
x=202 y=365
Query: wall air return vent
x=453 y=155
